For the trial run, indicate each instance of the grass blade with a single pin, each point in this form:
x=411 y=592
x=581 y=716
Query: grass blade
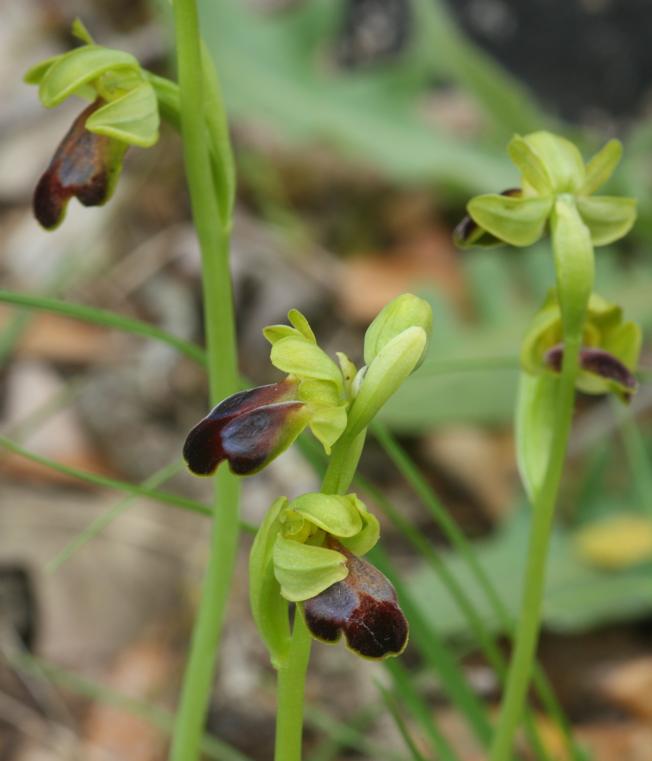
x=105 y=318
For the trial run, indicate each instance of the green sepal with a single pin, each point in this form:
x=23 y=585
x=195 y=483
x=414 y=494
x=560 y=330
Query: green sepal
x=369 y=534
x=335 y=514
x=563 y=162
x=405 y=311
x=574 y=265
x=301 y=358
x=608 y=218
x=269 y=608
x=80 y=67
x=623 y=342
x=535 y=413
x=132 y=118
x=305 y=570
x=530 y=165
x=518 y=221
x=34 y=75
x=602 y=166
x=390 y=368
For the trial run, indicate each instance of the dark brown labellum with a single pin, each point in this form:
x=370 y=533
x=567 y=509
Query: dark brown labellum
x=248 y=429
x=597 y=361
x=85 y=165
x=363 y=607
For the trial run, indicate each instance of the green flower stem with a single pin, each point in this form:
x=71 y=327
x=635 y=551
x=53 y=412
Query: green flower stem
x=527 y=630
x=290 y=694
x=213 y=233
x=292 y=673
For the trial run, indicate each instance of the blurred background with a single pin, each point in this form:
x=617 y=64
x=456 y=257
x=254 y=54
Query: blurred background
x=361 y=128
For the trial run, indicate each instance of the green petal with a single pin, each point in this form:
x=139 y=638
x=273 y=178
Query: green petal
x=518 y=221
x=530 y=165
x=80 y=31
x=131 y=119
x=368 y=536
x=300 y=357
x=392 y=365
x=608 y=218
x=77 y=68
x=269 y=608
x=601 y=166
x=563 y=162
x=303 y=570
x=301 y=324
x=535 y=412
x=337 y=515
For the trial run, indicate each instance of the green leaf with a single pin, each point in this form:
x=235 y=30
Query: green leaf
x=601 y=166
x=535 y=413
x=268 y=607
x=392 y=365
x=337 y=515
x=131 y=119
x=574 y=264
x=518 y=221
x=304 y=570
x=608 y=218
x=530 y=165
x=80 y=67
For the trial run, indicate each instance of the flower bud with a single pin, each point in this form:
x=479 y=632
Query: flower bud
x=405 y=311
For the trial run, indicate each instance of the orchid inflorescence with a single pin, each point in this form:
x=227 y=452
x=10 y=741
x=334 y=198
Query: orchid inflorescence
x=309 y=550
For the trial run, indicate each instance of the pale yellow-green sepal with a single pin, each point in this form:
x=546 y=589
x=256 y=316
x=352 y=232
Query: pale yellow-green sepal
x=608 y=218
x=78 y=68
x=518 y=221
x=335 y=514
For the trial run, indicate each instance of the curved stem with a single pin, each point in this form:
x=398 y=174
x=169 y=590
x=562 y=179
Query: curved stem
x=527 y=630
x=212 y=231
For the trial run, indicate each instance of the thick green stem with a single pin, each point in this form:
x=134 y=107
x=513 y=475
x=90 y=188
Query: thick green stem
x=212 y=231
x=527 y=631
x=292 y=673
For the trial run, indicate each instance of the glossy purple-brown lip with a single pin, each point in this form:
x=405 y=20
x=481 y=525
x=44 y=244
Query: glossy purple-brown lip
x=363 y=607
x=245 y=429
x=83 y=166
x=597 y=361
